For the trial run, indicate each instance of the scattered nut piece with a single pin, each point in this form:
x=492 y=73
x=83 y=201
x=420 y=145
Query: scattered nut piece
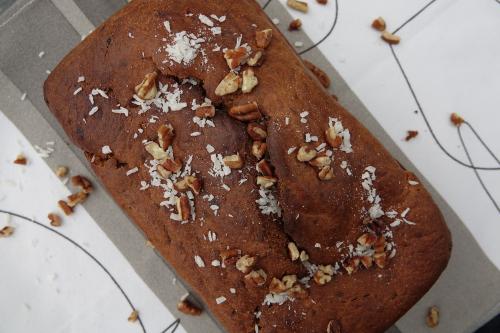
x=172 y=165
x=194 y=183
x=76 y=198
x=6 y=231
x=411 y=135
x=298 y=5
x=367 y=261
x=321 y=161
x=245 y=112
x=55 y=220
x=264 y=168
x=390 y=38
x=259 y=149
x=229 y=84
x=206 y=111
x=61 y=171
x=333 y=327
x=83 y=183
x=297 y=292
x=236 y=57
x=133 y=316
x=379 y=24
x=432 y=319
x=318 y=73
x=257 y=131
x=351 y=265
x=305 y=154
x=164 y=173
x=181 y=185
x=156 y=151
x=229 y=256
x=187 y=307
x=166 y=135
x=250 y=81
x=367 y=239
x=293 y=251
x=234 y=161
x=146 y=90
x=245 y=263
x=258 y=277
x=21 y=160
x=266 y=181
x=289 y=281
x=263 y=38
x=326 y=173
x=456 y=119
x=65 y=207
x=379 y=245
x=304 y=256
x=295 y=24
x=323 y=275
x=183 y=208
x=380 y=259
x=332 y=138
x=277 y=286
x=256 y=59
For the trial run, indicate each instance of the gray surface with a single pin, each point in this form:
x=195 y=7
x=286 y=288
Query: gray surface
x=468 y=292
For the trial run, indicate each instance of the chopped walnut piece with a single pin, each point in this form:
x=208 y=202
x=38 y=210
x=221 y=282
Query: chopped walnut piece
x=258 y=277
x=187 y=307
x=380 y=259
x=234 y=161
x=318 y=73
x=264 y=168
x=164 y=173
x=245 y=112
x=183 y=207
x=259 y=149
x=256 y=59
x=367 y=239
x=379 y=245
x=332 y=138
x=379 y=24
x=266 y=181
x=83 y=183
x=21 y=160
x=229 y=256
x=298 y=5
x=205 y=111
x=229 y=84
x=156 y=151
x=250 y=81
x=257 y=131
x=432 y=319
x=194 y=183
x=181 y=185
x=293 y=251
x=245 y=263
x=305 y=154
x=289 y=281
x=166 y=135
x=236 y=57
x=366 y=261
x=456 y=119
x=304 y=256
x=321 y=161
x=324 y=274
x=326 y=173
x=390 y=38
x=411 y=135
x=6 y=231
x=65 y=207
x=263 y=38
x=172 y=165
x=54 y=219
x=278 y=286
x=76 y=198
x=133 y=316
x=295 y=24
x=61 y=171
x=333 y=327
x=351 y=265
x=297 y=292
x=147 y=88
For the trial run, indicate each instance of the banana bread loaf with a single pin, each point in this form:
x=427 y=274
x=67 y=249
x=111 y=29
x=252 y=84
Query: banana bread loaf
x=268 y=198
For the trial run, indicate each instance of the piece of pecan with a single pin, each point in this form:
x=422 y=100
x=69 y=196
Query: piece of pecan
x=263 y=38
x=147 y=88
x=166 y=135
x=245 y=112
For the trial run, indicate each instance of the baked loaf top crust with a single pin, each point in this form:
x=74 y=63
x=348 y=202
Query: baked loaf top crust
x=327 y=234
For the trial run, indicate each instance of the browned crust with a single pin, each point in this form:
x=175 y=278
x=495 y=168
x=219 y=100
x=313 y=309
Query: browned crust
x=368 y=301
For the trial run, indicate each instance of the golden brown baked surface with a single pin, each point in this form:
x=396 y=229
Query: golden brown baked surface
x=406 y=243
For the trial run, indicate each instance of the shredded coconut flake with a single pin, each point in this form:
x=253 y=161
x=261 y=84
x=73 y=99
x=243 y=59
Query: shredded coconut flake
x=132 y=171
x=121 y=110
x=166 y=24
x=106 y=150
x=205 y=20
x=220 y=300
x=199 y=261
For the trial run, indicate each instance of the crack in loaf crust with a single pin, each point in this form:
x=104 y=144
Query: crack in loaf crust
x=316 y=215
